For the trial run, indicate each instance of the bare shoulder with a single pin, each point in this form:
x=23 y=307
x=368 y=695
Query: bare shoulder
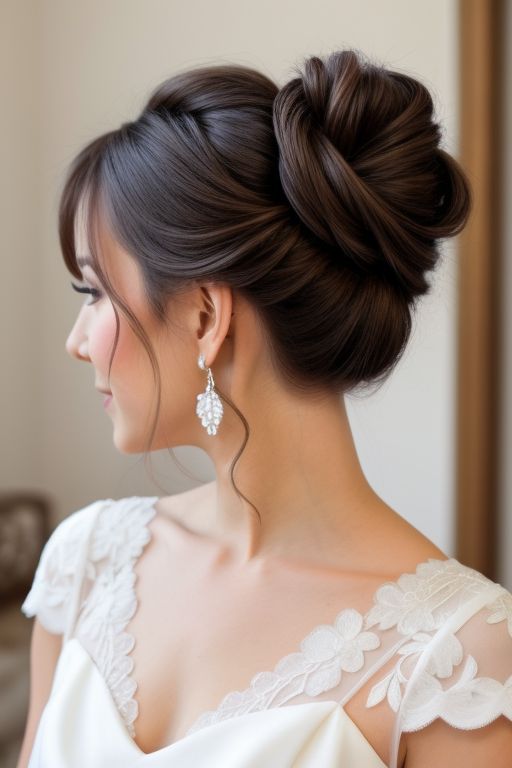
x=395 y=545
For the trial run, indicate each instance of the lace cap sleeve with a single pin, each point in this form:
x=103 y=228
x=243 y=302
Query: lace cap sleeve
x=453 y=659
x=462 y=672
x=54 y=592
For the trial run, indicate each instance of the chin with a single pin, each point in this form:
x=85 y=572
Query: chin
x=128 y=445
x=135 y=442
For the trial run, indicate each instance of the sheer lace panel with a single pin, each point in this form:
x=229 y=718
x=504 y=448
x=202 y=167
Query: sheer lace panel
x=443 y=634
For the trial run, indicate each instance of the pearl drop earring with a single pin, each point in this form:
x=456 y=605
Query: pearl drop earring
x=209 y=406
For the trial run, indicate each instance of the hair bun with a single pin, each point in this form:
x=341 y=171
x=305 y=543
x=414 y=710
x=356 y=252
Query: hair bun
x=361 y=166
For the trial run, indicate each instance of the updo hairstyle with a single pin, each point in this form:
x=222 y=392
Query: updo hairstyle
x=322 y=203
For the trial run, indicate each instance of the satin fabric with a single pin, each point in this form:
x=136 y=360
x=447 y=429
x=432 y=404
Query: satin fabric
x=81 y=727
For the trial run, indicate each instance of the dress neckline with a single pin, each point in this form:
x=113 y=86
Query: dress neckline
x=329 y=705
x=375 y=614
x=218 y=714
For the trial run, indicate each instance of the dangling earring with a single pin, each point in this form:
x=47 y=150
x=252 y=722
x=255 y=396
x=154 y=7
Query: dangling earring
x=209 y=407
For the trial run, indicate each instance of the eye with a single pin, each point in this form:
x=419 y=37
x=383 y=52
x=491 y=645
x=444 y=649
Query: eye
x=85 y=289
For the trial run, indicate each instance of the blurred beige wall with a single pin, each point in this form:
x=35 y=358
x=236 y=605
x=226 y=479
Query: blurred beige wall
x=21 y=268
x=76 y=69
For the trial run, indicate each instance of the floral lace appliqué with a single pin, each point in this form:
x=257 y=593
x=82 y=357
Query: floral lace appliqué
x=471 y=702
x=414 y=602
x=441 y=662
x=415 y=606
x=326 y=652
x=502 y=608
x=56 y=573
x=120 y=536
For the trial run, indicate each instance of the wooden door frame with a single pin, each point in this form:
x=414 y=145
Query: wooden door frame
x=480 y=248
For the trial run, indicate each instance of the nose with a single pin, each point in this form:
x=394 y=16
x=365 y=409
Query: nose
x=77 y=344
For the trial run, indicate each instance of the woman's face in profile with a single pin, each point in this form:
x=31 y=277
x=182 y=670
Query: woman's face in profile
x=134 y=394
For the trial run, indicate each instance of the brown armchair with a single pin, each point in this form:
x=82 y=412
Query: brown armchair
x=24 y=528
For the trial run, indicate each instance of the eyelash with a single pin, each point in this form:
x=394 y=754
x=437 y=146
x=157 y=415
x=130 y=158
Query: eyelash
x=93 y=291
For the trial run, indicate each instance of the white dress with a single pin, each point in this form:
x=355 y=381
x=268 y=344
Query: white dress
x=432 y=630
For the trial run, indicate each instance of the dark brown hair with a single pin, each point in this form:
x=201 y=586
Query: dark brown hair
x=321 y=203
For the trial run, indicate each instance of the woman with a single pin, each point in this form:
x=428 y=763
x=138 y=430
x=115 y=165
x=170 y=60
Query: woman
x=265 y=248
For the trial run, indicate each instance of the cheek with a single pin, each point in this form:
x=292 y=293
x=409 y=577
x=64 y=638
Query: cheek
x=101 y=343
x=130 y=372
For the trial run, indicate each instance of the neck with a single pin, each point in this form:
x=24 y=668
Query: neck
x=301 y=470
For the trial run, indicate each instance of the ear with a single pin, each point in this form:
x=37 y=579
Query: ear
x=215 y=312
